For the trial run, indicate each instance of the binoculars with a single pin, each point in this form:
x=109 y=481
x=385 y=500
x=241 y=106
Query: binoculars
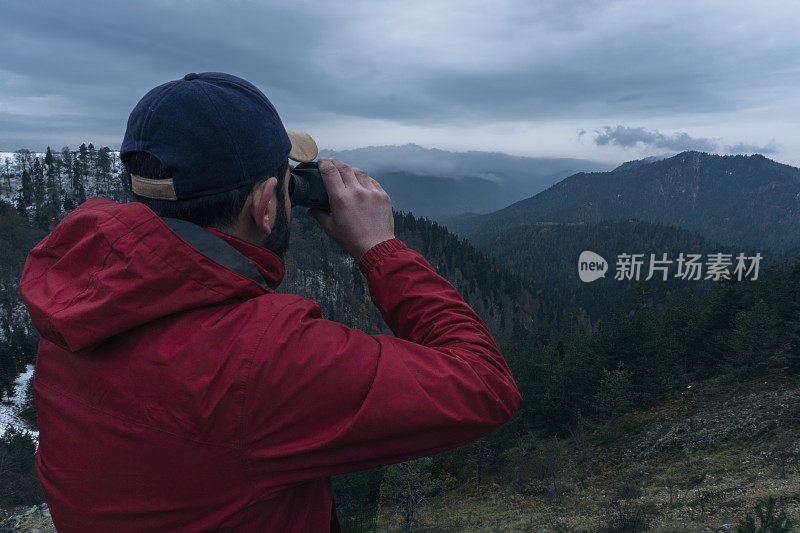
x=306 y=188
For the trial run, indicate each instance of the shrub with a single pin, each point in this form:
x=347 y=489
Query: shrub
x=357 y=499
x=18 y=482
x=627 y=489
x=629 y=516
x=553 y=467
x=769 y=523
x=615 y=395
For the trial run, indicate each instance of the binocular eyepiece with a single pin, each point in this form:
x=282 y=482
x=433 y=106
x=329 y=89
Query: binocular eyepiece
x=306 y=187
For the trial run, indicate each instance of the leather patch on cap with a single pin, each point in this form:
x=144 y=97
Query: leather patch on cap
x=149 y=188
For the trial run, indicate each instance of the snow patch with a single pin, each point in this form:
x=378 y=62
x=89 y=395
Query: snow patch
x=10 y=406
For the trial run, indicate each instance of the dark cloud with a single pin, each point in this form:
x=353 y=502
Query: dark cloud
x=409 y=62
x=629 y=137
x=747 y=148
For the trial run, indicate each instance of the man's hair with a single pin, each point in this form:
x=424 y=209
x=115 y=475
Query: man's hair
x=218 y=211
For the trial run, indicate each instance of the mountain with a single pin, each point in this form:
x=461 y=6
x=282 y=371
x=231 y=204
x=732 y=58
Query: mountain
x=440 y=184
x=732 y=200
x=440 y=198
x=639 y=162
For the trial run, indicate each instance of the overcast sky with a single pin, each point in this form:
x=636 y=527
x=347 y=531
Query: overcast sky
x=609 y=81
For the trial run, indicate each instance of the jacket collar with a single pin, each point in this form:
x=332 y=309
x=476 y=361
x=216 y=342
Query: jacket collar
x=244 y=258
x=269 y=265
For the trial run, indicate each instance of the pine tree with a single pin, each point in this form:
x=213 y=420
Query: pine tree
x=40 y=219
x=20 y=205
x=754 y=338
x=75 y=175
x=68 y=203
x=53 y=204
x=792 y=348
x=8 y=176
x=615 y=395
x=78 y=190
x=104 y=172
x=81 y=193
x=406 y=486
x=48 y=161
x=92 y=159
x=83 y=158
x=51 y=173
x=27 y=188
x=38 y=184
x=119 y=187
x=66 y=166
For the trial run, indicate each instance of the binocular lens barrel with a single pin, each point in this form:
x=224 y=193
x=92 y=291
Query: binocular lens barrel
x=306 y=188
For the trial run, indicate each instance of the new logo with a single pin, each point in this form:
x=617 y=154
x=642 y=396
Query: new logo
x=591 y=266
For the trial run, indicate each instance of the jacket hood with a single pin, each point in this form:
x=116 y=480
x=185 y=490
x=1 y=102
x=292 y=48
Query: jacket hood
x=108 y=268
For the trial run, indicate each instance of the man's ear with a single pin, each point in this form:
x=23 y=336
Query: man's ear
x=265 y=206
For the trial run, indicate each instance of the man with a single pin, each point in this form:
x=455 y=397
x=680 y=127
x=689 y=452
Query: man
x=176 y=392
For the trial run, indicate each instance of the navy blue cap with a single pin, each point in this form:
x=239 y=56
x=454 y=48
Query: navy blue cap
x=215 y=132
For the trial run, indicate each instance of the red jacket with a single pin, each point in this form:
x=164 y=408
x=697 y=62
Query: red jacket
x=176 y=393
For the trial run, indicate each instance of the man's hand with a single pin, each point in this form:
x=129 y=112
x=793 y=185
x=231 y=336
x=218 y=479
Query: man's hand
x=361 y=211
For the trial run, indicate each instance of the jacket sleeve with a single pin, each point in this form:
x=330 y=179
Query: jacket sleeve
x=326 y=399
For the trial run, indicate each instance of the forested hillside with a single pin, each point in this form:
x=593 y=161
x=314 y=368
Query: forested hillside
x=17 y=338
x=547 y=254
x=580 y=378
x=44 y=187
x=318 y=269
x=596 y=406
x=733 y=200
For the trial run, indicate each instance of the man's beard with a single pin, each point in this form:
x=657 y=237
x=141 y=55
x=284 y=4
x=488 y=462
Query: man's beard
x=277 y=241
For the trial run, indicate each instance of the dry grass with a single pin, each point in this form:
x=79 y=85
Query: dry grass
x=690 y=488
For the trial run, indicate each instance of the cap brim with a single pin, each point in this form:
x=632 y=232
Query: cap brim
x=304 y=149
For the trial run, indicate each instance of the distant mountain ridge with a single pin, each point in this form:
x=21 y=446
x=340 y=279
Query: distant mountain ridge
x=741 y=200
x=639 y=162
x=440 y=184
x=434 y=183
